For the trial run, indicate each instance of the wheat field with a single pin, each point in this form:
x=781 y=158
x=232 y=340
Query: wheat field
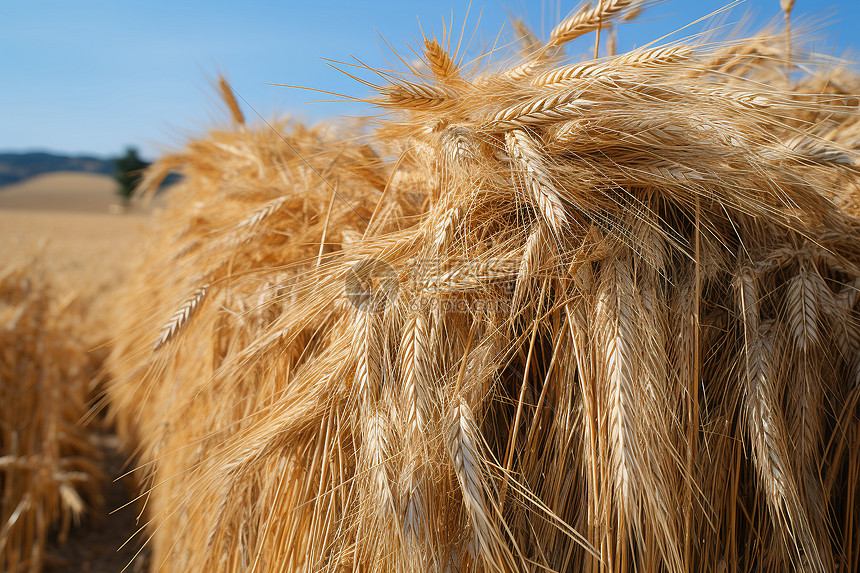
x=544 y=315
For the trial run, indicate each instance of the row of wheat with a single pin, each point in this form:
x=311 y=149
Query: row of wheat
x=50 y=473
x=596 y=316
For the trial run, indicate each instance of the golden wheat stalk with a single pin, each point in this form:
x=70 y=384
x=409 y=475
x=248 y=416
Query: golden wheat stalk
x=641 y=60
x=765 y=426
x=588 y=19
x=181 y=317
x=441 y=64
x=537 y=178
x=487 y=543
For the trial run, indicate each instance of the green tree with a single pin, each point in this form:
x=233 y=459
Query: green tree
x=129 y=170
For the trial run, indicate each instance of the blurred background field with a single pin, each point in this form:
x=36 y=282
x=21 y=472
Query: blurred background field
x=68 y=245
x=75 y=224
x=61 y=191
x=74 y=218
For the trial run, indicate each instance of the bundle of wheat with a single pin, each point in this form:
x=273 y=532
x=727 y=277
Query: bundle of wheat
x=49 y=471
x=595 y=316
x=258 y=210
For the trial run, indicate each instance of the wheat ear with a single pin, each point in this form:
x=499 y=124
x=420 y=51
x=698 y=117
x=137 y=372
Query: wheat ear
x=529 y=266
x=415 y=407
x=802 y=310
x=527 y=69
x=180 y=318
x=587 y=19
x=444 y=228
x=766 y=426
x=614 y=312
x=367 y=382
x=558 y=105
x=259 y=215
x=416 y=96
x=441 y=63
x=415 y=373
x=639 y=59
x=378 y=523
x=377 y=449
x=230 y=99
x=459 y=145
x=530 y=163
x=464 y=451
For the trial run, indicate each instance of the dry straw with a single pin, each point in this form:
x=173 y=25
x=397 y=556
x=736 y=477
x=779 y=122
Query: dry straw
x=50 y=476
x=666 y=381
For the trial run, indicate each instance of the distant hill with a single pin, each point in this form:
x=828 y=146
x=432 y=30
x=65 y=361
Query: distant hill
x=66 y=191
x=15 y=167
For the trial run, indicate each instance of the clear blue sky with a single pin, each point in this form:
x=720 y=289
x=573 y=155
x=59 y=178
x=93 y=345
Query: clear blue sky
x=94 y=76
